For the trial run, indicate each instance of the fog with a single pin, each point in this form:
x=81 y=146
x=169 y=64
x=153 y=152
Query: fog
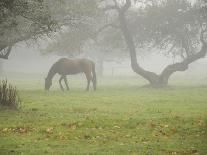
x=27 y=59
x=103 y=77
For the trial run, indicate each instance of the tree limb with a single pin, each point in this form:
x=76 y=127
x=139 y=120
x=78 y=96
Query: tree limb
x=115 y=2
x=111 y=7
x=7 y=46
x=6 y=54
x=126 y=6
x=182 y=66
x=107 y=26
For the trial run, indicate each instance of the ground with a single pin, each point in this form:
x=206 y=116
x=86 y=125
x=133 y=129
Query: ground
x=121 y=117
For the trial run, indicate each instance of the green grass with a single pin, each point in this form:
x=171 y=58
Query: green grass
x=121 y=117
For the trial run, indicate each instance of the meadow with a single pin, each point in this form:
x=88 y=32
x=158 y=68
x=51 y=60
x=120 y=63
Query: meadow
x=121 y=117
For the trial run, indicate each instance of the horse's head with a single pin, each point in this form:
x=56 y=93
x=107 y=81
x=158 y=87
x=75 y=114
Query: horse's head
x=48 y=84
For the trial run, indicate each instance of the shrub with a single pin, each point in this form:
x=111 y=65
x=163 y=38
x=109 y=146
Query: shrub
x=9 y=95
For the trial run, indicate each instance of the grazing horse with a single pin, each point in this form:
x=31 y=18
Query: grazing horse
x=65 y=67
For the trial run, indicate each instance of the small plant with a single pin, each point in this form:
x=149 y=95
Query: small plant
x=9 y=95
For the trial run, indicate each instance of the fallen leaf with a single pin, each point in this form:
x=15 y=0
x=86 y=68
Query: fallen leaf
x=50 y=130
x=152 y=125
x=72 y=126
x=173 y=153
x=174 y=130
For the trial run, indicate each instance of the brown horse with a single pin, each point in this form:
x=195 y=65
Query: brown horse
x=66 y=67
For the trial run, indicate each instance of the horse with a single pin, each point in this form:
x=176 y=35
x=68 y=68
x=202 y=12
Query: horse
x=65 y=66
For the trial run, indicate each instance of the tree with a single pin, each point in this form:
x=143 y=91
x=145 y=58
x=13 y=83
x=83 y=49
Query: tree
x=22 y=20
x=73 y=40
x=94 y=37
x=182 y=27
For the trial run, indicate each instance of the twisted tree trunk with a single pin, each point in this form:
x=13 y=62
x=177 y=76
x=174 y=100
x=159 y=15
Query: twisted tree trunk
x=150 y=76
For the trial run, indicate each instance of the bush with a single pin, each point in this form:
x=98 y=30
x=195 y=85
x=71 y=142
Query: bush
x=9 y=95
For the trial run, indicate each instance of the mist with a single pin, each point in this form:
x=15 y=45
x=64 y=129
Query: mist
x=31 y=60
x=87 y=77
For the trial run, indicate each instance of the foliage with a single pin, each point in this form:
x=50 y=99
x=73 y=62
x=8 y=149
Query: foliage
x=112 y=39
x=22 y=19
x=9 y=95
x=72 y=39
x=172 y=26
x=95 y=32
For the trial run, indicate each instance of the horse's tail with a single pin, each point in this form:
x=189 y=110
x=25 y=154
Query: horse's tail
x=94 y=76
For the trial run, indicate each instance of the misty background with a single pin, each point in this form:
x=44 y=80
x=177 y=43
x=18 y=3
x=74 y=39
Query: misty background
x=27 y=59
x=123 y=38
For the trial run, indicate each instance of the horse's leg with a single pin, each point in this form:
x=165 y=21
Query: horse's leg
x=60 y=80
x=88 y=77
x=66 y=82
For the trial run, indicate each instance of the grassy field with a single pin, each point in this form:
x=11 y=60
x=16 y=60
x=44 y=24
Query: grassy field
x=121 y=117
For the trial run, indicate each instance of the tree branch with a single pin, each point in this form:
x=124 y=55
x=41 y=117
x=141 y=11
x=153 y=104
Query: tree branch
x=115 y=2
x=6 y=54
x=7 y=46
x=107 y=26
x=111 y=7
x=126 y=6
x=202 y=39
x=182 y=66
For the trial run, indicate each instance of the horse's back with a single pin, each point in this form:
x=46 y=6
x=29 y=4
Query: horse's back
x=85 y=64
x=67 y=66
x=80 y=60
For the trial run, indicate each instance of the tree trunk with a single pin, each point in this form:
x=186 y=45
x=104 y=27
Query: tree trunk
x=1 y=68
x=150 y=76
